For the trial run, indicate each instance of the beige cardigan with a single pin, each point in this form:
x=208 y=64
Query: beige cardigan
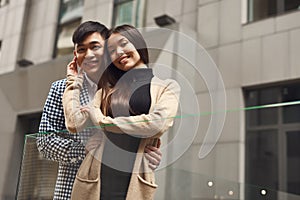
x=163 y=109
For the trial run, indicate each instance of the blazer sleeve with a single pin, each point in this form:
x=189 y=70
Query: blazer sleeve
x=61 y=148
x=159 y=119
x=75 y=119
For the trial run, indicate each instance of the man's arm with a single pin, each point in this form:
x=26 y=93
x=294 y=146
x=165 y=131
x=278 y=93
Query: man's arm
x=53 y=141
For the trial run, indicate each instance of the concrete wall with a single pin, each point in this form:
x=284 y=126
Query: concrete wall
x=22 y=92
x=245 y=54
x=11 y=20
x=28 y=31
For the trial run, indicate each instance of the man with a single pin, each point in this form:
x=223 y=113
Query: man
x=53 y=142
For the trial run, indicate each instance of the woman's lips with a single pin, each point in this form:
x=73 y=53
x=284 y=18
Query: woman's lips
x=124 y=59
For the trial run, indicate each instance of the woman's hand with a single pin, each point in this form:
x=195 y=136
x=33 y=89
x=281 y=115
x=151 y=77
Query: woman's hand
x=91 y=112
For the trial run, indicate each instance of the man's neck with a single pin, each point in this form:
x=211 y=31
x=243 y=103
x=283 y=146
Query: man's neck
x=94 y=79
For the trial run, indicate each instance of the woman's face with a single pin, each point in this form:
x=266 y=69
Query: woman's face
x=123 y=53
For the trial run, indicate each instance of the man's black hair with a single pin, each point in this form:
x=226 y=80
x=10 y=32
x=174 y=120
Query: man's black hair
x=87 y=28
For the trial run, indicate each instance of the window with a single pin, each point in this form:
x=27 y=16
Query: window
x=272 y=135
x=261 y=9
x=128 y=12
x=0 y=48
x=71 y=12
x=3 y=3
x=37 y=175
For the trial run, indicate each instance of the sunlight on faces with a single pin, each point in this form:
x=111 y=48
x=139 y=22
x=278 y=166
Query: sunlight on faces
x=123 y=53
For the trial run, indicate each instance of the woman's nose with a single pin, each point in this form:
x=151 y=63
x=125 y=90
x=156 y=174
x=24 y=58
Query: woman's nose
x=120 y=51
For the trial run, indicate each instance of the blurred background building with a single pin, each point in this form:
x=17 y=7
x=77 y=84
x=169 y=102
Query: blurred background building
x=254 y=43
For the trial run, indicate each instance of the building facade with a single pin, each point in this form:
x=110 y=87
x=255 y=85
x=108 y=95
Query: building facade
x=255 y=47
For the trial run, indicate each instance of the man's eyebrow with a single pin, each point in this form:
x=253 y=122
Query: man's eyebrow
x=79 y=44
x=95 y=42
x=92 y=42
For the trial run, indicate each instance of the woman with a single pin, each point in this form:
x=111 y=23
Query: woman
x=134 y=108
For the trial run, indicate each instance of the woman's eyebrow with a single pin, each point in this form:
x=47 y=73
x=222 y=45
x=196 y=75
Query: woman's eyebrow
x=109 y=46
x=120 y=40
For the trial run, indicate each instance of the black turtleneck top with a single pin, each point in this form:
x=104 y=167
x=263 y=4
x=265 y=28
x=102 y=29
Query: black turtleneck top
x=120 y=149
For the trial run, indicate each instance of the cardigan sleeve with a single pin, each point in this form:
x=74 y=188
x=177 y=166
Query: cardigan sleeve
x=159 y=119
x=75 y=119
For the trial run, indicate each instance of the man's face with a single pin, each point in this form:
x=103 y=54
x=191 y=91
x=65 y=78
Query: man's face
x=89 y=53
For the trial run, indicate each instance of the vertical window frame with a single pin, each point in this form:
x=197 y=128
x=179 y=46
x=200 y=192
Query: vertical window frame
x=64 y=24
x=282 y=128
x=3 y=3
x=137 y=17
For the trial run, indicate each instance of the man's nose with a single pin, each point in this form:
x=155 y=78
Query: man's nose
x=89 y=53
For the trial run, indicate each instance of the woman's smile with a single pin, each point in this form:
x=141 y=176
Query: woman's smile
x=123 y=53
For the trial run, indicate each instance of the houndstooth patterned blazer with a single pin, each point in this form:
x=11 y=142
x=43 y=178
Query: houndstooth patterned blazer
x=56 y=144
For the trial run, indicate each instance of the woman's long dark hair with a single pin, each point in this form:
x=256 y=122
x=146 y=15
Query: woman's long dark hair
x=117 y=95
